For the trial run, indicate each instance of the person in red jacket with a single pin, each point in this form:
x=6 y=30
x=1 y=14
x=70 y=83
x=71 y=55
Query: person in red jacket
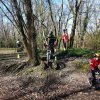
x=94 y=66
x=64 y=38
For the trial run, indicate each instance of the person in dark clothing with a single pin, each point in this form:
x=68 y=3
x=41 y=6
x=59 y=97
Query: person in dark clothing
x=19 y=46
x=51 y=42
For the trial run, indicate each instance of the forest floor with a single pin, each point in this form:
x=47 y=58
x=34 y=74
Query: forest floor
x=68 y=83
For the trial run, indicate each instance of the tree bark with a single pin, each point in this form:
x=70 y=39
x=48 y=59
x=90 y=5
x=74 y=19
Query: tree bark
x=29 y=37
x=77 y=5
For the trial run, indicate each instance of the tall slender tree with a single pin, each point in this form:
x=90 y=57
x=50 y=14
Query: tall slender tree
x=75 y=11
x=51 y=14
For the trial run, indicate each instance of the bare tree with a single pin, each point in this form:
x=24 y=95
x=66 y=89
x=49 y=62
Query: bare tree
x=60 y=17
x=85 y=20
x=75 y=11
x=24 y=21
x=51 y=14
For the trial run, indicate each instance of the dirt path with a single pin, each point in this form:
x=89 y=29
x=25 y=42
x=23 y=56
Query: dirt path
x=66 y=84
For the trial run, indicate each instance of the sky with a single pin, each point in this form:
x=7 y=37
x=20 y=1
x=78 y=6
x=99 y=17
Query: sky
x=92 y=19
x=58 y=2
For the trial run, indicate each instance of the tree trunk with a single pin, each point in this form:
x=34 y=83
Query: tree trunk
x=28 y=34
x=75 y=14
x=31 y=33
x=73 y=31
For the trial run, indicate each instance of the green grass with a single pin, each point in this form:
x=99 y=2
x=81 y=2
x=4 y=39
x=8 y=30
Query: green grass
x=77 y=52
x=37 y=71
x=83 y=66
x=7 y=50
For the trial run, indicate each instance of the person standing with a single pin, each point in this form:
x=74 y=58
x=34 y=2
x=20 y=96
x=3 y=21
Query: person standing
x=65 y=38
x=51 y=42
x=19 y=46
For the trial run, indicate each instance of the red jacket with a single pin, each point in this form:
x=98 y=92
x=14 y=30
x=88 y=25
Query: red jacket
x=94 y=63
x=64 y=37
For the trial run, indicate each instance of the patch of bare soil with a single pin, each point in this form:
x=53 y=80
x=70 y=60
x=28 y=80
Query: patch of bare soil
x=66 y=84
